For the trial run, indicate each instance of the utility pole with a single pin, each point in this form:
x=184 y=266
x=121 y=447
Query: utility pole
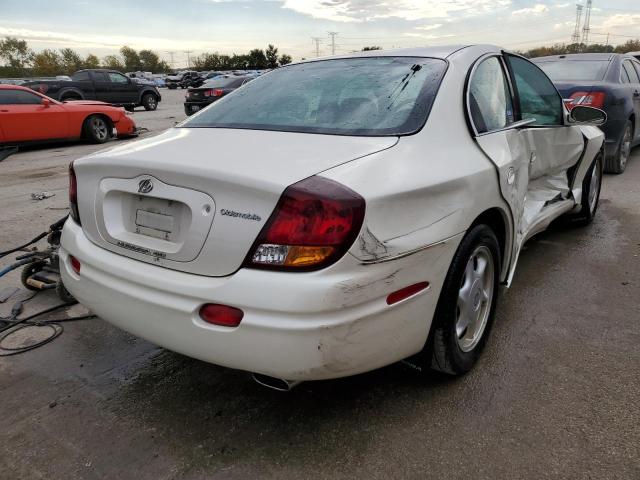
x=171 y=56
x=333 y=42
x=317 y=41
x=188 y=58
x=587 y=21
x=575 y=38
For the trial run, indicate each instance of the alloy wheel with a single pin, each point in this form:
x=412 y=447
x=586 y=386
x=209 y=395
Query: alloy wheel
x=625 y=147
x=475 y=298
x=100 y=128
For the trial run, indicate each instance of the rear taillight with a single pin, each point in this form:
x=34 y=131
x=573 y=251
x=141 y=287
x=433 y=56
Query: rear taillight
x=221 y=315
x=315 y=222
x=73 y=195
x=586 y=99
x=216 y=92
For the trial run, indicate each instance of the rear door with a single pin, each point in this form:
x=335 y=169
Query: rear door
x=102 y=86
x=24 y=118
x=634 y=88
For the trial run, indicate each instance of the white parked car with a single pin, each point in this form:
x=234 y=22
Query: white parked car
x=334 y=216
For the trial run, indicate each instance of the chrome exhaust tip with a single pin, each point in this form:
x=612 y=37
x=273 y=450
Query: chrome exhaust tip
x=273 y=383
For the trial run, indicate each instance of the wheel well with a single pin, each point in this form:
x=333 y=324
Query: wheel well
x=495 y=219
x=70 y=95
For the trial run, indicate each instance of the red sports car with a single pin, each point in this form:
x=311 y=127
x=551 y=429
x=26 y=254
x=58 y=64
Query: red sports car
x=27 y=116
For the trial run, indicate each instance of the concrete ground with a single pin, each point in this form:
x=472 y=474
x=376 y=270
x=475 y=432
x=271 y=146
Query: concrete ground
x=555 y=395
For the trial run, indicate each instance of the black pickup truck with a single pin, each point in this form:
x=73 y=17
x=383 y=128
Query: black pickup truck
x=108 y=86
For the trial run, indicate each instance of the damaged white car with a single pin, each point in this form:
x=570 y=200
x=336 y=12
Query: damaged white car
x=334 y=216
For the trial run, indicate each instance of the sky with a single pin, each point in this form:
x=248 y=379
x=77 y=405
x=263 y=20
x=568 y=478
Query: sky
x=229 y=26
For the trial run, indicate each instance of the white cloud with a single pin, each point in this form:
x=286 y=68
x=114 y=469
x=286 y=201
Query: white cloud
x=429 y=27
x=362 y=10
x=535 y=10
x=621 y=20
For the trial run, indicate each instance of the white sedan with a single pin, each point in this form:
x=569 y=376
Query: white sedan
x=336 y=215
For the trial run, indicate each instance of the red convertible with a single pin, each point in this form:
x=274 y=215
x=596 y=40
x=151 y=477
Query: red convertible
x=27 y=116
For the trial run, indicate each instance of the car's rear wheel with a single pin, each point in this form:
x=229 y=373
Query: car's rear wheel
x=97 y=129
x=149 y=101
x=467 y=303
x=618 y=162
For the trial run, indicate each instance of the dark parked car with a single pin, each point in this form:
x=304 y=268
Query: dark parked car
x=604 y=80
x=212 y=90
x=108 y=86
x=182 y=79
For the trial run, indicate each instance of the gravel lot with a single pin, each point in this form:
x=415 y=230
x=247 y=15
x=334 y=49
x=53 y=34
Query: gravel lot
x=555 y=395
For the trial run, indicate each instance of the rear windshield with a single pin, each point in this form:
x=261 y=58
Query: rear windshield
x=222 y=82
x=574 y=70
x=356 y=96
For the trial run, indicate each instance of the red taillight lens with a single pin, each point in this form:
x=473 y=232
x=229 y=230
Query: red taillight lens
x=213 y=93
x=75 y=264
x=221 y=315
x=73 y=195
x=313 y=225
x=587 y=99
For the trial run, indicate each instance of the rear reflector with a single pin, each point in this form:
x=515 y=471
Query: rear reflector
x=406 y=292
x=221 y=315
x=75 y=264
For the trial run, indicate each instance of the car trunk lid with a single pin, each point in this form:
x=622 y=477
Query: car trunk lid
x=195 y=199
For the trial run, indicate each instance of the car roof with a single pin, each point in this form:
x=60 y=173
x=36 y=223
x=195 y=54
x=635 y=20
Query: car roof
x=440 y=51
x=5 y=86
x=580 y=56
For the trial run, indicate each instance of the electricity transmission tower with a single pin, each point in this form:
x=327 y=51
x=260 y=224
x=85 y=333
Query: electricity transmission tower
x=171 y=56
x=317 y=41
x=188 y=52
x=587 y=27
x=333 y=42
x=575 y=38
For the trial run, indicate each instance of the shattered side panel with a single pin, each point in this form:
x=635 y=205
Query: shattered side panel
x=594 y=139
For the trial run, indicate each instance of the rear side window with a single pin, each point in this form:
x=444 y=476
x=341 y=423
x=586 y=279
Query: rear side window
x=489 y=99
x=18 y=97
x=81 y=77
x=539 y=99
x=631 y=72
x=353 y=96
x=574 y=70
x=100 y=77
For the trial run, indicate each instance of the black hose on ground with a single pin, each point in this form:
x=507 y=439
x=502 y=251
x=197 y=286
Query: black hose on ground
x=52 y=228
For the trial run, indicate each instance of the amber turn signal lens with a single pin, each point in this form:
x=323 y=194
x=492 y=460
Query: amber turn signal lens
x=303 y=256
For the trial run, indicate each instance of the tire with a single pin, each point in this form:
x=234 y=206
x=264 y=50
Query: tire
x=171 y=87
x=469 y=297
x=591 y=187
x=64 y=294
x=71 y=97
x=29 y=270
x=97 y=129
x=618 y=163
x=149 y=101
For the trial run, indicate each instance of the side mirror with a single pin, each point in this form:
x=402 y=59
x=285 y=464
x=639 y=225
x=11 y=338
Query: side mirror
x=587 y=115
x=46 y=103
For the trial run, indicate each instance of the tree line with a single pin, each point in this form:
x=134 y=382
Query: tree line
x=256 y=59
x=20 y=61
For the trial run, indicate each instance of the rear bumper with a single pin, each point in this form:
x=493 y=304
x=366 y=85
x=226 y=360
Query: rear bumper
x=308 y=326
